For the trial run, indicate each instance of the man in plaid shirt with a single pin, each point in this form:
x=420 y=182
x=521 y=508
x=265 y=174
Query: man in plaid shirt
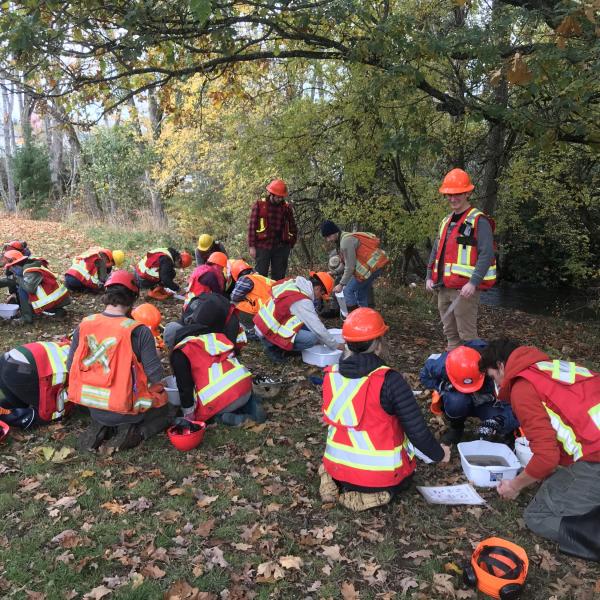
x=272 y=231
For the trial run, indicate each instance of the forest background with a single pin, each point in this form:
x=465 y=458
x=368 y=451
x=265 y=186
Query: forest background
x=174 y=115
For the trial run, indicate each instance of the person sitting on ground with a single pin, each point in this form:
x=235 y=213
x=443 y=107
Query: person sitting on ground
x=460 y=391
x=558 y=405
x=156 y=271
x=288 y=322
x=115 y=371
x=208 y=278
x=373 y=421
x=212 y=383
x=19 y=245
x=250 y=292
x=90 y=270
x=36 y=288
x=206 y=246
x=33 y=379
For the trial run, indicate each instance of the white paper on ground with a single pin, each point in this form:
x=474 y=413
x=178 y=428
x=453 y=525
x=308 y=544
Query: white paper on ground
x=451 y=494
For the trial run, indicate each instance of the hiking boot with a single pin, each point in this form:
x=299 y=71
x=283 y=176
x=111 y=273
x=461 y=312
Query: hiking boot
x=255 y=410
x=454 y=434
x=328 y=489
x=359 y=501
x=251 y=335
x=96 y=433
x=127 y=436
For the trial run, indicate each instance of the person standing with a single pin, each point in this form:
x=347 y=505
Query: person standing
x=462 y=261
x=272 y=231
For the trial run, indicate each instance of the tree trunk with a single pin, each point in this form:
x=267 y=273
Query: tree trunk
x=7 y=108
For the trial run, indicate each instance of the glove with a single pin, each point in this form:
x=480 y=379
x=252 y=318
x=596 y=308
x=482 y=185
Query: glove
x=188 y=412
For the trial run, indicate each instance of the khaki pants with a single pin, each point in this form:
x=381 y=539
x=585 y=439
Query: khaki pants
x=461 y=324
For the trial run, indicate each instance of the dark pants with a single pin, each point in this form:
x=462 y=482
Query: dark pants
x=276 y=257
x=150 y=423
x=19 y=384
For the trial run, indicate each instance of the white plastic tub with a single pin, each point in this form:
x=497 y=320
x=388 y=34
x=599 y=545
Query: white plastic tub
x=339 y=296
x=8 y=311
x=523 y=451
x=172 y=391
x=322 y=356
x=488 y=476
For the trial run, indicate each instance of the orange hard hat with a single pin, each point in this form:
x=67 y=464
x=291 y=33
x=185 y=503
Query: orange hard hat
x=124 y=278
x=456 y=181
x=15 y=245
x=4 y=429
x=498 y=568
x=462 y=367
x=277 y=187
x=12 y=257
x=326 y=279
x=363 y=325
x=147 y=314
x=237 y=267
x=186 y=259
x=108 y=253
x=218 y=258
x=186 y=438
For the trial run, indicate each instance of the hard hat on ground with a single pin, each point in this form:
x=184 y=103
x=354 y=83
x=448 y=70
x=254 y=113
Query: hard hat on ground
x=462 y=367
x=186 y=436
x=363 y=325
x=498 y=568
x=277 y=187
x=205 y=241
x=4 y=429
x=186 y=259
x=12 y=257
x=147 y=314
x=118 y=257
x=15 y=245
x=218 y=258
x=124 y=278
x=326 y=279
x=238 y=267
x=456 y=181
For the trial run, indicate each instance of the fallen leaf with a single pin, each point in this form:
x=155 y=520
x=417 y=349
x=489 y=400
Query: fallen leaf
x=348 y=591
x=87 y=473
x=204 y=529
x=418 y=554
x=67 y=539
x=268 y=572
x=451 y=567
x=98 y=592
x=408 y=583
x=242 y=547
x=182 y=590
x=204 y=501
x=176 y=492
x=114 y=507
x=332 y=552
x=215 y=557
x=290 y=562
x=443 y=584
x=152 y=571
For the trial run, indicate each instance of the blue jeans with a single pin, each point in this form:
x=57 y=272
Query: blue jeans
x=356 y=293
x=304 y=339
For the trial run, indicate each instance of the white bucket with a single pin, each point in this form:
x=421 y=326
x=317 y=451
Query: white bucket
x=339 y=296
x=321 y=355
x=523 y=451
x=172 y=391
x=8 y=311
x=488 y=476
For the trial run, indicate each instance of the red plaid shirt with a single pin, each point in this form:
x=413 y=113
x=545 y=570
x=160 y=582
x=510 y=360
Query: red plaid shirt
x=276 y=219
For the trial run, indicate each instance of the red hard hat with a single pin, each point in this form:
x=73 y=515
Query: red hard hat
x=185 y=439
x=363 y=325
x=456 y=181
x=218 y=258
x=237 y=267
x=326 y=279
x=14 y=245
x=147 y=314
x=462 y=367
x=124 y=278
x=4 y=429
x=186 y=259
x=12 y=257
x=277 y=187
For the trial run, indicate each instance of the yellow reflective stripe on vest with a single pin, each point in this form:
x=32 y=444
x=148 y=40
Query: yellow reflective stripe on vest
x=361 y=440
x=82 y=269
x=98 y=351
x=143 y=403
x=57 y=356
x=343 y=392
x=220 y=382
x=210 y=343
x=562 y=370
x=565 y=435
x=96 y=397
x=594 y=413
x=285 y=330
x=152 y=271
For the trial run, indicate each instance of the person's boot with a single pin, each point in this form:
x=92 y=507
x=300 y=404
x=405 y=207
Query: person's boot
x=93 y=437
x=232 y=419
x=328 y=489
x=454 y=433
x=128 y=436
x=275 y=354
x=359 y=501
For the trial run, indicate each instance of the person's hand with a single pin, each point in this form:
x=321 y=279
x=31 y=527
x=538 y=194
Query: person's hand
x=507 y=489
x=467 y=290
x=341 y=347
x=429 y=285
x=252 y=251
x=447 y=450
x=338 y=288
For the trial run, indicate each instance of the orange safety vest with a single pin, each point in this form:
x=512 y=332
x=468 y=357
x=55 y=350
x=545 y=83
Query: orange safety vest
x=106 y=373
x=571 y=396
x=147 y=268
x=258 y=295
x=365 y=446
x=460 y=253
x=49 y=293
x=274 y=319
x=50 y=360
x=219 y=378
x=369 y=256
x=84 y=269
x=196 y=288
x=262 y=228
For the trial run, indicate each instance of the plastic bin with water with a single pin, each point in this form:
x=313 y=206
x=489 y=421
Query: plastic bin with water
x=322 y=356
x=486 y=463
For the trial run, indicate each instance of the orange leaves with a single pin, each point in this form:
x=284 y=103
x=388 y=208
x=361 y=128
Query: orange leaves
x=518 y=73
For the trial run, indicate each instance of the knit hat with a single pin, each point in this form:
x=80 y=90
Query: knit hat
x=170 y=332
x=328 y=228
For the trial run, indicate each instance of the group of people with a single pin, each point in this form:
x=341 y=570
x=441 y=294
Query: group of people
x=374 y=423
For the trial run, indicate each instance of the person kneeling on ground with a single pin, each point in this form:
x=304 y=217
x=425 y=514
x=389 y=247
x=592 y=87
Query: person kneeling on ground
x=373 y=421
x=156 y=271
x=33 y=380
x=462 y=391
x=289 y=322
x=115 y=371
x=208 y=278
x=558 y=405
x=206 y=246
x=212 y=383
x=90 y=270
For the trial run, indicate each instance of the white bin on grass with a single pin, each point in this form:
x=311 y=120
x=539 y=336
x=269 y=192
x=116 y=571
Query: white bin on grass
x=488 y=476
x=8 y=311
x=523 y=451
x=172 y=391
x=322 y=356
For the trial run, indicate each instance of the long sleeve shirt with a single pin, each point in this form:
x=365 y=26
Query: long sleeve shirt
x=167 y=273
x=243 y=287
x=277 y=215
x=348 y=248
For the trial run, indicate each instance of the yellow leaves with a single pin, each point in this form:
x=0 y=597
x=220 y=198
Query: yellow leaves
x=518 y=73
x=54 y=455
x=114 y=507
x=290 y=562
x=269 y=572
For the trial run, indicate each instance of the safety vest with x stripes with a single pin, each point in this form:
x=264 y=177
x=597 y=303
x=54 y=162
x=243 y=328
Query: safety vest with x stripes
x=49 y=293
x=460 y=252
x=570 y=395
x=105 y=373
x=365 y=445
x=219 y=378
